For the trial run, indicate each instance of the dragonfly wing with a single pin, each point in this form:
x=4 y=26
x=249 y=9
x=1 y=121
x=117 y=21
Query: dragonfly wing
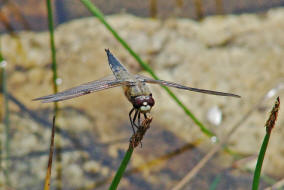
x=175 y=85
x=118 y=69
x=97 y=85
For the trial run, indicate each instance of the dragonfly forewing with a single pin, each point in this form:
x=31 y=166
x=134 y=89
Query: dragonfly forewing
x=176 y=85
x=97 y=85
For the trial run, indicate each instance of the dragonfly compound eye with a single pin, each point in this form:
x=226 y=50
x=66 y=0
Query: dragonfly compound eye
x=143 y=103
x=151 y=101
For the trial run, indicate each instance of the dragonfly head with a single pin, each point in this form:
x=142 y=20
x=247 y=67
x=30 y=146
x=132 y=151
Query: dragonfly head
x=143 y=103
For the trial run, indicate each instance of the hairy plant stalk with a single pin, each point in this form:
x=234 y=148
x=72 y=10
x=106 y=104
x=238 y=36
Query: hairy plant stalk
x=135 y=140
x=269 y=126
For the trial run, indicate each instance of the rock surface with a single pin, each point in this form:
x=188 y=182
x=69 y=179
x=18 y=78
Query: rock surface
x=239 y=54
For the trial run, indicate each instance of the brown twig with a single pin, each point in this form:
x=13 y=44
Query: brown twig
x=48 y=172
x=273 y=116
x=137 y=137
x=197 y=168
x=135 y=140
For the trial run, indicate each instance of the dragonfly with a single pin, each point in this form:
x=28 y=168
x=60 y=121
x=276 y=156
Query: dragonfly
x=135 y=89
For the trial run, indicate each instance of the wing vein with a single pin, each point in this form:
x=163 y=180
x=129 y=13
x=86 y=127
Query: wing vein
x=175 y=85
x=94 y=86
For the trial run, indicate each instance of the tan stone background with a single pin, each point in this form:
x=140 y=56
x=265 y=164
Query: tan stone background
x=239 y=54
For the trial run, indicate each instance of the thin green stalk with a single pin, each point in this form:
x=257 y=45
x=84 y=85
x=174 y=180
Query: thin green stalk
x=260 y=159
x=135 y=140
x=121 y=169
x=6 y=117
x=52 y=48
x=215 y=183
x=96 y=12
x=269 y=126
x=55 y=88
x=267 y=179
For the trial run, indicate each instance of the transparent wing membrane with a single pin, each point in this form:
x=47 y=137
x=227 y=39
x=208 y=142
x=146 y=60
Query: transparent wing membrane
x=175 y=85
x=121 y=77
x=97 y=85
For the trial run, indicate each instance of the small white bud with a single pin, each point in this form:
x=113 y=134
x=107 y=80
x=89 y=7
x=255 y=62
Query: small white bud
x=58 y=81
x=3 y=64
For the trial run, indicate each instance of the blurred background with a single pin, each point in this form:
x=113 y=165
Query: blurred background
x=231 y=46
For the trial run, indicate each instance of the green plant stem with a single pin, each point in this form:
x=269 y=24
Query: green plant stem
x=52 y=47
x=269 y=126
x=96 y=12
x=6 y=117
x=121 y=169
x=55 y=90
x=215 y=183
x=259 y=163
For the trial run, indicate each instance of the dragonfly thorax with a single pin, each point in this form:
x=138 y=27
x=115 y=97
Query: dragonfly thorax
x=143 y=103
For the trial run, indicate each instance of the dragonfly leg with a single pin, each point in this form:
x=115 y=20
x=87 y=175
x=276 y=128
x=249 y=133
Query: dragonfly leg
x=139 y=119
x=145 y=116
x=134 y=119
x=130 y=118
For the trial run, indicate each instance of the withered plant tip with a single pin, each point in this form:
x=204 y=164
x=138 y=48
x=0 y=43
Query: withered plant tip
x=137 y=137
